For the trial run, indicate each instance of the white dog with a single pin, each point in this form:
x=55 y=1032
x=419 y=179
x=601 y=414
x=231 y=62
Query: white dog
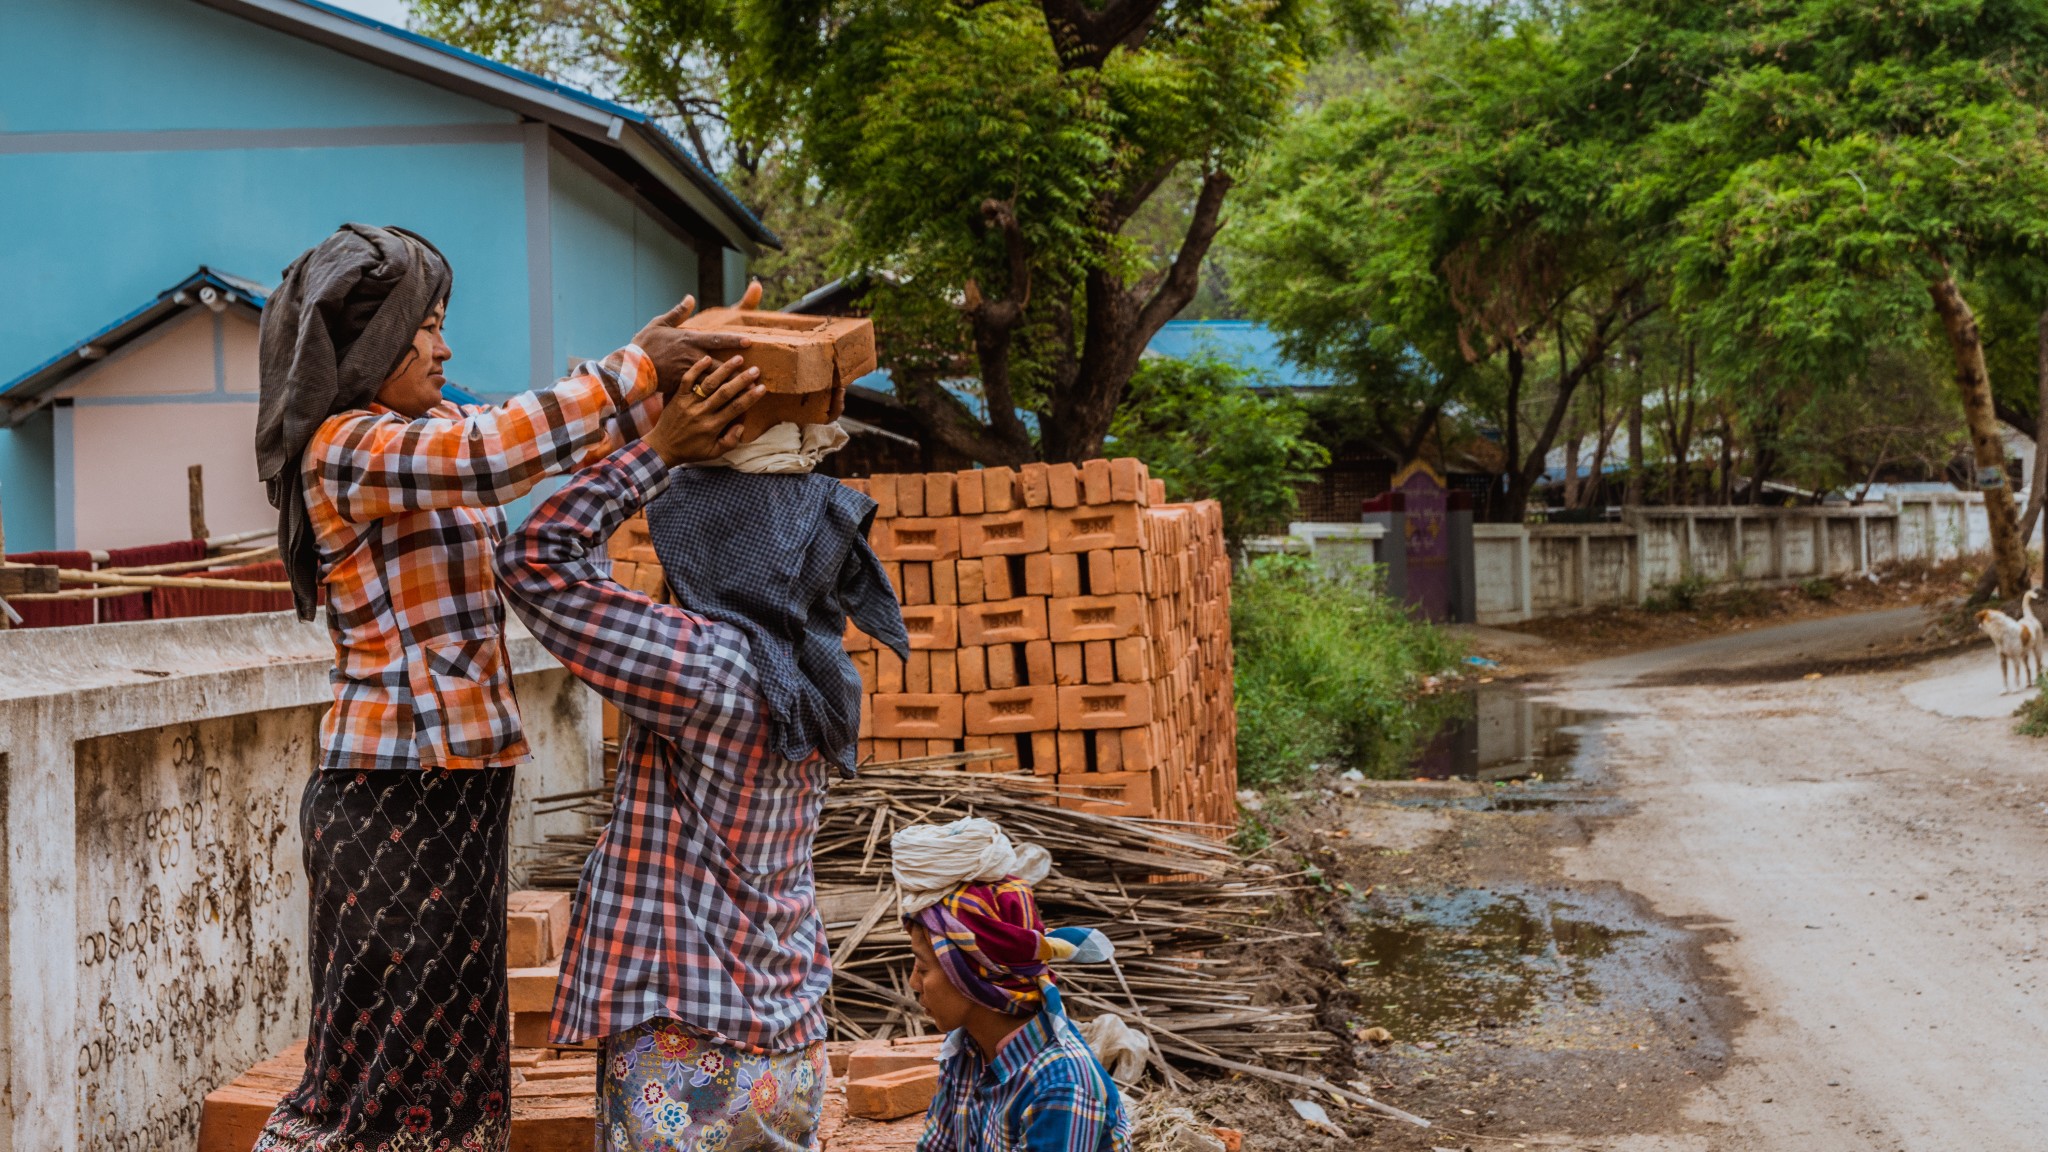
x=2018 y=643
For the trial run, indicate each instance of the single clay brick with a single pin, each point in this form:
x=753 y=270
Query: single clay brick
x=1012 y=710
x=1038 y=574
x=1127 y=477
x=1101 y=571
x=1045 y=753
x=1011 y=621
x=910 y=494
x=854 y=640
x=1109 y=750
x=555 y=1123
x=233 y=1115
x=932 y=626
x=1002 y=666
x=1105 y=706
x=919 y=716
x=888 y=671
x=882 y=490
x=856 y=483
x=1109 y=793
x=999 y=490
x=1038 y=667
x=1095 y=486
x=530 y=1029
x=1063 y=485
x=917 y=673
x=1134 y=659
x=893 y=1095
x=1073 y=754
x=971 y=669
x=1018 y=532
x=532 y=989
x=1099 y=661
x=1130 y=569
x=555 y=905
x=917 y=538
x=1066 y=574
x=1067 y=664
x=970 y=495
x=917 y=582
x=893 y=569
x=883 y=750
x=1155 y=491
x=945 y=672
x=996 y=583
x=1138 y=749
x=1096 y=617
x=941 y=747
x=967 y=574
x=1089 y=528
x=528 y=943
x=938 y=493
x=797 y=354
x=879 y=1057
x=945 y=582
x=1033 y=485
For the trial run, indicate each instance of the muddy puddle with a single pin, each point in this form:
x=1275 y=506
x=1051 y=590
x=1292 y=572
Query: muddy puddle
x=1499 y=732
x=1433 y=968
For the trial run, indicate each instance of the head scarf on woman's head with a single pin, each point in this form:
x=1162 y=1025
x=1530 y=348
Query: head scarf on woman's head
x=333 y=332
x=993 y=947
x=985 y=928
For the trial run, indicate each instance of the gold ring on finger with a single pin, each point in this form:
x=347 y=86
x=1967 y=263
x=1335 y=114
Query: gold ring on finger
x=698 y=391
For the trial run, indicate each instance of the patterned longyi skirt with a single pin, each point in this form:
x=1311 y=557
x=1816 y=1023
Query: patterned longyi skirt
x=410 y=1041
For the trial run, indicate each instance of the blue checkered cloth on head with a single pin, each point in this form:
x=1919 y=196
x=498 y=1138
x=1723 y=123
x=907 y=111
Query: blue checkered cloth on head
x=785 y=559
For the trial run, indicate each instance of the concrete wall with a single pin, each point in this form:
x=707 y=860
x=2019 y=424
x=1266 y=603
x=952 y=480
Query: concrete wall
x=152 y=935
x=1547 y=569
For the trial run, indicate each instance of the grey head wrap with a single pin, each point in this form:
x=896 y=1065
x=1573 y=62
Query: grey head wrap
x=333 y=332
x=785 y=559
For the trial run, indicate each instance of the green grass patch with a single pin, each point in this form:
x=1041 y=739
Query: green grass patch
x=1328 y=671
x=2033 y=715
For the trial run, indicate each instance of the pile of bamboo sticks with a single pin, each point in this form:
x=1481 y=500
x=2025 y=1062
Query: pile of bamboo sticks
x=1169 y=896
x=109 y=582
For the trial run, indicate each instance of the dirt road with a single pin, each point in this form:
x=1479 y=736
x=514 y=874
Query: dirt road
x=1873 y=849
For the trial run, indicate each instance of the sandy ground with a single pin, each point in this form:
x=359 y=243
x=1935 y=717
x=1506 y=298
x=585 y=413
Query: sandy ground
x=1874 y=851
x=1791 y=894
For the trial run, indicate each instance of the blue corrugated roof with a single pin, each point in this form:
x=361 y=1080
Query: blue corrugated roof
x=1245 y=343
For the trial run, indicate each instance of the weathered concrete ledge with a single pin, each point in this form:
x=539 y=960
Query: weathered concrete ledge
x=152 y=938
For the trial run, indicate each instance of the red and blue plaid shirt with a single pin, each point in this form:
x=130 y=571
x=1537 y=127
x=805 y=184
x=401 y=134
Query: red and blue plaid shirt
x=405 y=513
x=698 y=902
x=1043 y=1092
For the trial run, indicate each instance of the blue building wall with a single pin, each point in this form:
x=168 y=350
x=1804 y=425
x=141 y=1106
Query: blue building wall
x=140 y=139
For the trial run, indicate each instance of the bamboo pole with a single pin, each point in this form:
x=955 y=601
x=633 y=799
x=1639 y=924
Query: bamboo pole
x=75 y=576
x=195 y=500
x=219 y=542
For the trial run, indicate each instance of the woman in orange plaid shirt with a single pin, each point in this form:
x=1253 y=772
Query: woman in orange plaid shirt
x=389 y=502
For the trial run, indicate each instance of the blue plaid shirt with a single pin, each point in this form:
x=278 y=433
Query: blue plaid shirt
x=1044 y=1092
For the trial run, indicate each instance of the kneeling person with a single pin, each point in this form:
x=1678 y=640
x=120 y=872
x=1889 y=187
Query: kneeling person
x=1015 y=1074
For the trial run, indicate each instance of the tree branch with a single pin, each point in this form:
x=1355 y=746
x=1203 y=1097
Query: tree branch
x=1179 y=285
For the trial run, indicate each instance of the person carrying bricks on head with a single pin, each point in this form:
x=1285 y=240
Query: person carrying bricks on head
x=388 y=502
x=696 y=955
x=1015 y=1074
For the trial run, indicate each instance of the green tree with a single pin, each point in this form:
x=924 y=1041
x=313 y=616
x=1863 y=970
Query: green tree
x=1456 y=209
x=1851 y=168
x=1029 y=187
x=1200 y=427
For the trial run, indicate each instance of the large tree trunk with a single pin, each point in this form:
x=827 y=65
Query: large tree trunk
x=1973 y=381
x=1526 y=470
x=2039 y=488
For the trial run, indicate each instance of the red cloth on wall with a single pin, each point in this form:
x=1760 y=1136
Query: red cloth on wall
x=172 y=603
x=119 y=608
x=55 y=613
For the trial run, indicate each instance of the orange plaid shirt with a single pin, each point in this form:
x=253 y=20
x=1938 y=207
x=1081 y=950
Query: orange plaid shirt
x=406 y=513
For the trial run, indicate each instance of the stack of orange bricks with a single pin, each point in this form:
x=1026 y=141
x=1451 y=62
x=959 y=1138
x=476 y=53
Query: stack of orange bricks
x=1064 y=615
x=1067 y=617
